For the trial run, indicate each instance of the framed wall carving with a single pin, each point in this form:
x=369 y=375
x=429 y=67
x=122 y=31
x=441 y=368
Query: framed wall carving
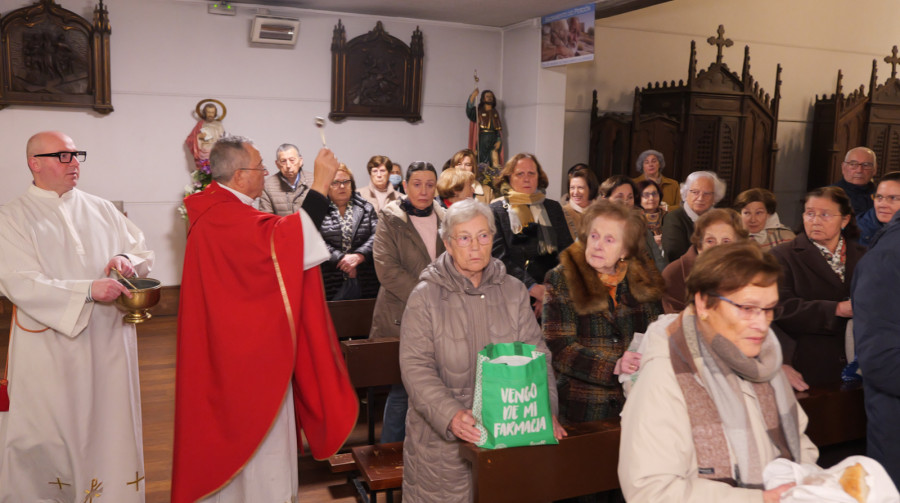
x=53 y=57
x=376 y=75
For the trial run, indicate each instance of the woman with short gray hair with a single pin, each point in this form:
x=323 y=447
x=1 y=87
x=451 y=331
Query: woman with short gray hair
x=464 y=301
x=700 y=192
x=650 y=165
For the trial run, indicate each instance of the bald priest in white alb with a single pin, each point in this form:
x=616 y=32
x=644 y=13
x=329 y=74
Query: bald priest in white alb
x=73 y=429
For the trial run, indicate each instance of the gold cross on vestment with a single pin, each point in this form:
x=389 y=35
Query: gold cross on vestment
x=720 y=42
x=59 y=483
x=893 y=60
x=95 y=491
x=137 y=481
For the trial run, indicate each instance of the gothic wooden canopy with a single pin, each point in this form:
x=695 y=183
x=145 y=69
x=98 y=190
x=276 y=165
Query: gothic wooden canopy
x=842 y=122
x=50 y=56
x=718 y=121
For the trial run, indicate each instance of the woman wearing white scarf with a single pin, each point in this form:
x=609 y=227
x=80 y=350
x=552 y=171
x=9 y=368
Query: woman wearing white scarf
x=757 y=209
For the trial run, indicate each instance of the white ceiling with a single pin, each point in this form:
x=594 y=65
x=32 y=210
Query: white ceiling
x=498 y=13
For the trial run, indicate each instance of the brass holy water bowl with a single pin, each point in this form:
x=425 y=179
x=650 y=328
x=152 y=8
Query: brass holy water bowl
x=144 y=295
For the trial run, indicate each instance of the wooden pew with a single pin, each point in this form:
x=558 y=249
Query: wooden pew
x=352 y=318
x=372 y=363
x=586 y=461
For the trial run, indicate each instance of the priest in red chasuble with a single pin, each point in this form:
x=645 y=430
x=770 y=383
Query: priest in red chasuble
x=258 y=359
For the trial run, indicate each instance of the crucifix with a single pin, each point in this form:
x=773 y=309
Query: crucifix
x=720 y=42
x=893 y=60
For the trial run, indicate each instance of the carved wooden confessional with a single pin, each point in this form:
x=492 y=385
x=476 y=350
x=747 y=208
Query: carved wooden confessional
x=843 y=122
x=718 y=121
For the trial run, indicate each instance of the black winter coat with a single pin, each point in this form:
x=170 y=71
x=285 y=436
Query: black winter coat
x=364 y=221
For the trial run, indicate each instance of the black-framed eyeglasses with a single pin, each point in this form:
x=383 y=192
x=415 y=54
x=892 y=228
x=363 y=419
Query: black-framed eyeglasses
x=341 y=183
x=264 y=170
x=66 y=157
x=748 y=312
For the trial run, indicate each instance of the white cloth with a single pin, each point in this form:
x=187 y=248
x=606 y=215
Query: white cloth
x=74 y=424
x=272 y=473
x=817 y=485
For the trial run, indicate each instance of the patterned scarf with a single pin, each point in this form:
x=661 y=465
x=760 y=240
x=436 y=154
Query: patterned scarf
x=837 y=260
x=408 y=207
x=719 y=419
x=526 y=210
x=611 y=281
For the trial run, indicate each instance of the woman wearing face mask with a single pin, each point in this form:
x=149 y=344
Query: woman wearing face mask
x=396 y=178
x=379 y=192
x=406 y=241
x=715 y=227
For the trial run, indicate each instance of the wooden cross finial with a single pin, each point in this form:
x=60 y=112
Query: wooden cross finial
x=893 y=60
x=720 y=42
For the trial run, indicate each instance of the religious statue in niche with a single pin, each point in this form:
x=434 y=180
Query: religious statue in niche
x=53 y=57
x=485 y=131
x=206 y=132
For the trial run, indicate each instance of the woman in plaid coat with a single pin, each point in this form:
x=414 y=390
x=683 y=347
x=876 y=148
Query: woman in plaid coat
x=605 y=289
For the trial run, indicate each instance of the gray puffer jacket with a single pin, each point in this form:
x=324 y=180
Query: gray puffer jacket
x=447 y=321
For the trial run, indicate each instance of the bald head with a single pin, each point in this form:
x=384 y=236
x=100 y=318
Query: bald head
x=49 y=172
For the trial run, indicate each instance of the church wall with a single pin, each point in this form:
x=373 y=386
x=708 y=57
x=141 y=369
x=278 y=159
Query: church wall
x=169 y=54
x=811 y=39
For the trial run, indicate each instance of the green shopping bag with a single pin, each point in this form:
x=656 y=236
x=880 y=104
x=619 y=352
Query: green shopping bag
x=512 y=404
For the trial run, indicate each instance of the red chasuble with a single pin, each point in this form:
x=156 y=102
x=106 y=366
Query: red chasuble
x=251 y=322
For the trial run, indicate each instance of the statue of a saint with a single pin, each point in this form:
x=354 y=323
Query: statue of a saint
x=207 y=131
x=485 y=129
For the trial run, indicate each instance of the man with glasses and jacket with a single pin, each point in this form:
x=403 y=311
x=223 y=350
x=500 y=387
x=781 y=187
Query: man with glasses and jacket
x=858 y=168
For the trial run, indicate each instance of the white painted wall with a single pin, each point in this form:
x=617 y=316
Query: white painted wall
x=169 y=54
x=534 y=102
x=811 y=39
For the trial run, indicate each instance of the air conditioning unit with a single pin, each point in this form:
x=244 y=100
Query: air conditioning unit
x=274 y=30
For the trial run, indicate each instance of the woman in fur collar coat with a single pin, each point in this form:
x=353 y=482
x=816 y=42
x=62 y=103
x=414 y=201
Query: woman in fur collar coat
x=605 y=289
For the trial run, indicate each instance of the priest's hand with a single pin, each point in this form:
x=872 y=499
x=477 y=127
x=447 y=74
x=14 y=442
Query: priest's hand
x=107 y=290
x=121 y=264
x=463 y=426
x=324 y=169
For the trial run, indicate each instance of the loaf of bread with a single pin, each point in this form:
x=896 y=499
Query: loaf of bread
x=853 y=480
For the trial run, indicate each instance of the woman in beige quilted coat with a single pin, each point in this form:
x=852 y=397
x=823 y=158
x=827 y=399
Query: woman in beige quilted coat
x=464 y=301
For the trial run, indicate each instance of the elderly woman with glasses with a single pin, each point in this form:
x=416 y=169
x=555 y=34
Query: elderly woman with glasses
x=349 y=233
x=815 y=291
x=463 y=302
x=700 y=191
x=712 y=406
